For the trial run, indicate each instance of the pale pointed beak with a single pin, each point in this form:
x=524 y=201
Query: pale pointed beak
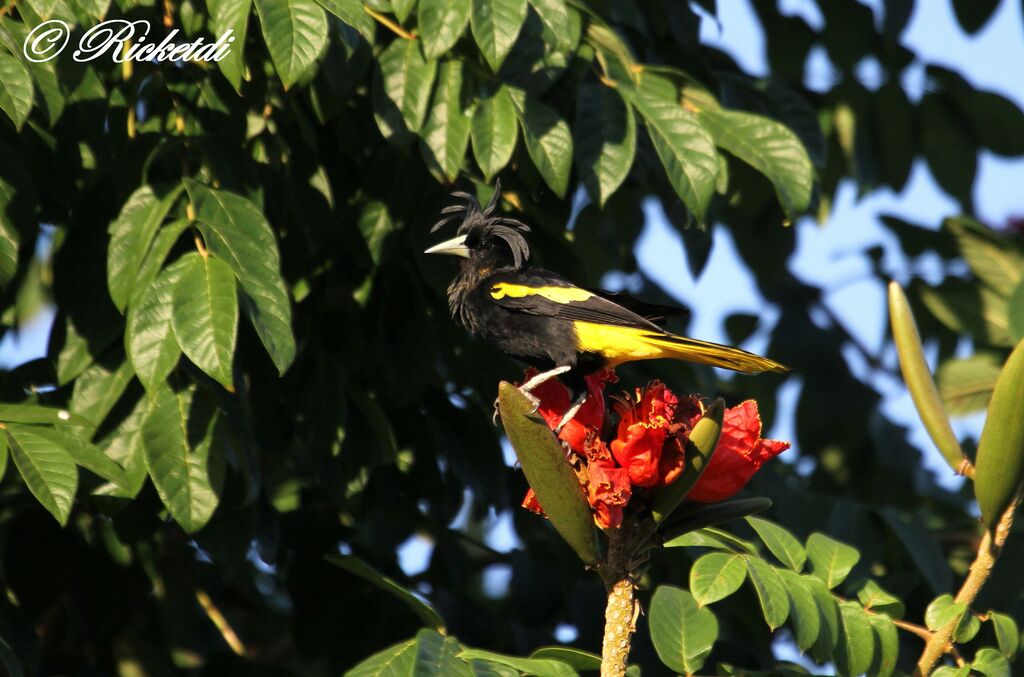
x=455 y=246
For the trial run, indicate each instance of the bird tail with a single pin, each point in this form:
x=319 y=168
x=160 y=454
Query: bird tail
x=714 y=354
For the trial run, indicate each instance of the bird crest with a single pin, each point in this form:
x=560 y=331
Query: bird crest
x=478 y=222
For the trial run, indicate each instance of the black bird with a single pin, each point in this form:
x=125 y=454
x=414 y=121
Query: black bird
x=542 y=319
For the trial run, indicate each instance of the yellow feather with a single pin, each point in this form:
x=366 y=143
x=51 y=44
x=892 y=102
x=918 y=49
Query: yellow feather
x=556 y=294
x=626 y=344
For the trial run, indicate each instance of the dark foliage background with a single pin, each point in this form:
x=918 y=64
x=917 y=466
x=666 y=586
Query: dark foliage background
x=379 y=427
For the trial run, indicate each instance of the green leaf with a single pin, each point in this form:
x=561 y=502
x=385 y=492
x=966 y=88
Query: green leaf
x=124 y=446
x=4 y=454
x=803 y=611
x=1015 y=312
x=887 y=646
x=547 y=138
x=856 y=648
x=831 y=561
x=295 y=32
x=131 y=235
x=715 y=576
x=49 y=473
x=949 y=671
x=352 y=13
x=402 y=91
x=441 y=23
x=780 y=542
x=358 y=567
x=685 y=148
x=966 y=385
x=236 y=232
x=699 y=447
x=438 y=656
x=232 y=15
x=35 y=413
x=605 y=140
x=999 y=465
x=1007 y=634
x=495 y=25
x=966 y=629
x=991 y=663
x=98 y=388
x=395 y=661
x=16 y=89
x=204 y=315
x=771 y=591
x=403 y=8
x=969 y=308
x=711 y=538
x=541 y=667
x=149 y=339
x=942 y=611
x=919 y=379
x=828 y=613
x=494 y=131
x=994 y=259
x=769 y=147
x=556 y=17
x=683 y=633
x=182 y=457
x=162 y=245
x=82 y=453
x=550 y=476
x=576 y=658
x=874 y=598
x=446 y=132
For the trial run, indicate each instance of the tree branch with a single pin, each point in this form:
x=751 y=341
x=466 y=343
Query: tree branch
x=622 y=609
x=988 y=551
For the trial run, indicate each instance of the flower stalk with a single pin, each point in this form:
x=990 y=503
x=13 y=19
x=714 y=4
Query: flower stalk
x=622 y=608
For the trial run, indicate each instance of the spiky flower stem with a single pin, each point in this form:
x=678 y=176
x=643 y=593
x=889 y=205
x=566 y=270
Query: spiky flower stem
x=621 y=611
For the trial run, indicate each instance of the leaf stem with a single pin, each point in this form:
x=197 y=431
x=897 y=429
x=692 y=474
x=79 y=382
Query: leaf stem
x=389 y=24
x=988 y=551
x=220 y=622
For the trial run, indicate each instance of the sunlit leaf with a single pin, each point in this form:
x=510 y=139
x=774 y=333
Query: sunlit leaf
x=15 y=89
x=49 y=473
x=548 y=140
x=769 y=147
x=204 y=315
x=441 y=23
x=683 y=633
x=496 y=25
x=494 y=131
x=605 y=140
x=715 y=576
x=296 y=34
x=831 y=561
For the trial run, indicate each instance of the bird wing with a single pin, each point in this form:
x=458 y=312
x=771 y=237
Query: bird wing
x=604 y=327
x=540 y=292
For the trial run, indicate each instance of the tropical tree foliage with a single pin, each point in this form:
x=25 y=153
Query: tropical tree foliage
x=252 y=395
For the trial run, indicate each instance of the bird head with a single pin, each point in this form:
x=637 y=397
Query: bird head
x=486 y=240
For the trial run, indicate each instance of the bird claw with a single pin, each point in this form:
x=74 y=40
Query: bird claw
x=534 y=400
x=497 y=411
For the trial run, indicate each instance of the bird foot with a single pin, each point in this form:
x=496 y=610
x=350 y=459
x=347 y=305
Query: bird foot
x=541 y=378
x=534 y=400
x=571 y=411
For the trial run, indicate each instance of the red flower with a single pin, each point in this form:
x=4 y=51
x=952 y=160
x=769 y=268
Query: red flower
x=608 y=486
x=740 y=453
x=554 y=402
x=650 y=440
x=648 y=450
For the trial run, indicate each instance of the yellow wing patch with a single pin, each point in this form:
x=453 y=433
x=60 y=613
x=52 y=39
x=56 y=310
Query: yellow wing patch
x=617 y=344
x=625 y=344
x=556 y=294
